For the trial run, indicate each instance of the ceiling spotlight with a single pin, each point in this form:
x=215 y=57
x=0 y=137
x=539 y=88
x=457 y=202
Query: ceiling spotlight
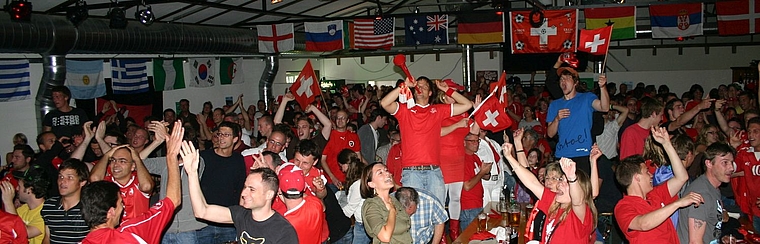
x=78 y=13
x=118 y=18
x=145 y=16
x=20 y=10
x=276 y=1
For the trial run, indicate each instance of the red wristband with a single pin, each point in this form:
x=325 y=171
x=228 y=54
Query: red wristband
x=450 y=91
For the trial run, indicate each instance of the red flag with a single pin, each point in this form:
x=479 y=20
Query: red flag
x=137 y=112
x=596 y=41
x=490 y=115
x=556 y=33
x=738 y=17
x=306 y=87
x=500 y=89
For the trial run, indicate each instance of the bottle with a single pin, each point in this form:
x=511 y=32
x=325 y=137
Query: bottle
x=514 y=211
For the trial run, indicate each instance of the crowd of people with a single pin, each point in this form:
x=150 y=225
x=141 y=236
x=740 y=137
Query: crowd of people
x=359 y=166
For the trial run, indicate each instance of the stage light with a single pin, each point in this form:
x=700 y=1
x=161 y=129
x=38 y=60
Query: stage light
x=78 y=13
x=145 y=16
x=276 y=1
x=118 y=18
x=20 y=10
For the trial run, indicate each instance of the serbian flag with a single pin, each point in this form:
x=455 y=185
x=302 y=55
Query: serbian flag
x=739 y=17
x=556 y=33
x=500 y=88
x=490 y=115
x=306 y=88
x=324 y=36
x=676 y=20
x=595 y=42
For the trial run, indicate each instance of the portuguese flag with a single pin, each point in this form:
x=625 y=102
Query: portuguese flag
x=623 y=20
x=480 y=28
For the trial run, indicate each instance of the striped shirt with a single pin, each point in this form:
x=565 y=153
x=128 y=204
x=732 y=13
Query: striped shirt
x=65 y=226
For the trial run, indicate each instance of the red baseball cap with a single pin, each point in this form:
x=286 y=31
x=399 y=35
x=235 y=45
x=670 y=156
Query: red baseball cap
x=291 y=179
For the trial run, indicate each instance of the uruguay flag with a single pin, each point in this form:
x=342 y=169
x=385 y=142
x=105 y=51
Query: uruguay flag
x=324 y=36
x=130 y=76
x=676 y=20
x=14 y=80
x=85 y=78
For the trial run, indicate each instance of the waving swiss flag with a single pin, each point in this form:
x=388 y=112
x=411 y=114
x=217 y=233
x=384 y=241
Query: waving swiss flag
x=500 y=88
x=306 y=87
x=595 y=41
x=490 y=115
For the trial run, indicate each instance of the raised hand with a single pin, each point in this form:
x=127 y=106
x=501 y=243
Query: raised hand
x=442 y=85
x=100 y=132
x=159 y=130
x=595 y=153
x=190 y=157
x=568 y=166
x=106 y=107
x=89 y=132
x=719 y=104
x=478 y=101
x=174 y=141
x=602 y=80
x=660 y=135
x=518 y=135
x=506 y=149
x=689 y=199
x=288 y=97
x=8 y=191
x=706 y=103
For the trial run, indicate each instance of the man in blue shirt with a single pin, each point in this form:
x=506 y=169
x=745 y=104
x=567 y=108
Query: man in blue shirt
x=427 y=214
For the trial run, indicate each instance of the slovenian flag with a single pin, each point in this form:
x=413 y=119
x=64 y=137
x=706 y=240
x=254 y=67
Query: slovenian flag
x=14 y=80
x=324 y=36
x=676 y=20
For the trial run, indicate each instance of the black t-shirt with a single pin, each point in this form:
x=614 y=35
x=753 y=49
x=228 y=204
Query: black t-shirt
x=273 y=230
x=337 y=222
x=609 y=192
x=65 y=123
x=223 y=178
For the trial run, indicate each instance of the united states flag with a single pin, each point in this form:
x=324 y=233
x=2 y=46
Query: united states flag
x=374 y=33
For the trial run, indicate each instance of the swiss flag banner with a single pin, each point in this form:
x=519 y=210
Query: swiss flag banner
x=596 y=41
x=738 y=17
x=548 y=31
x=490 y=115
x=306 y=87
x=500 y=88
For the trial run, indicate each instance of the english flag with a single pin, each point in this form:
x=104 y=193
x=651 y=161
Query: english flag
x=500 y=88
x=596 y=41
x=490 y=115
x=306 y=87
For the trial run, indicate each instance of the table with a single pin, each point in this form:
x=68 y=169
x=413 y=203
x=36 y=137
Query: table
x=464 y=237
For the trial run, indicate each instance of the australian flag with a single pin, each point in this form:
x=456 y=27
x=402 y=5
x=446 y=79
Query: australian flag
x=430 y=29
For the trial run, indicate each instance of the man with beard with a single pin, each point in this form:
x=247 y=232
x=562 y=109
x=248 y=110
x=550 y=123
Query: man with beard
x=127 y=170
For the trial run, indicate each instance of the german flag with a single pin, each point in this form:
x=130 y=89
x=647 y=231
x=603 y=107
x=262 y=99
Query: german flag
x=623 y=20
x=480 y=28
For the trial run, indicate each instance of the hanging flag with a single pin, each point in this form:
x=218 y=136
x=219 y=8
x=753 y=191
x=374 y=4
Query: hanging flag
x=168 y=74
x=137 y=112
x=676 y=20
x=623 y=18
x=275 y=38
x=374 y=33
x=490 y=115
x=348 y=38
x=595 y=42
x=14 y=80
x=85 y=79
x=739 y=17
x=202 y=71
x=306 y=87
x=480 y=28
x=231 y=71
x=500 y=89
x=324 y=36
x=129 y=76
x=556 y=33
x=430 y=29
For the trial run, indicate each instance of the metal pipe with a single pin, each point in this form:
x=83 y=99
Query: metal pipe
x=53 y=74
x=468 y=66
x=267 y=78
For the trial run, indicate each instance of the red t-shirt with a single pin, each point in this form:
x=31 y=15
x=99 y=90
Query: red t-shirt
x=309 y=178
x=474 y=197
x=748 y=163
x=632 y=141
x=135 y=201
x=339 y=141
x=393 y=162
x=631 y=206
x=143 y=228
x=13 y=229
x=516 y=108
x=419 y=127
x=452 y=150
x=356 y=103
x=571 y=230
x=9 y=178
x=308 y=218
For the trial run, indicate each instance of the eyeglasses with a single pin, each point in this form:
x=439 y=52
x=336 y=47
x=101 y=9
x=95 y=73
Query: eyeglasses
x=279 y=144
x=119 y=160
x=478 y=140
x=224 y=135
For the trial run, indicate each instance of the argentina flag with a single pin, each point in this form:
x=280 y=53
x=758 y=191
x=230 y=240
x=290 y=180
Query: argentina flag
x=14 y=80
x=130 y=76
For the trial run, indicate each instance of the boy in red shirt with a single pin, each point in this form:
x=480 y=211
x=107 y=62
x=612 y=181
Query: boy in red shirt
x=304 y=212
x=748 y=165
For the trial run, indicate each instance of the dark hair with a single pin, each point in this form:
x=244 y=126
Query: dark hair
x=286 y=130
x=650 y=105
x=755 y=120
x=36 y=178
x=169 y=110
x=120 y=138
x=663 y=89
x=26 y=150
x=276 y=160
x=352 y=126
x=627 y=168
x=62 y=89
x=355 y=165
x=184 y=101
x=683 y=145
x=364 y=189
x=77 y=165
x=377 y=113
x=233 y=126
x=39 y=137
x=97 y=198
x=309 y=148
x=538 y=152
x=268 y=177
x=407 y=196
x=358 y=88
x=718 y=149
x=431 y=84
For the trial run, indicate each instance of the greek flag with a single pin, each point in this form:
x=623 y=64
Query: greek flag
x=129 y=76
x=14 y=80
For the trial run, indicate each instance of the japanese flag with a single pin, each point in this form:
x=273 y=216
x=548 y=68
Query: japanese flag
x=490 y=115
x=306 y=87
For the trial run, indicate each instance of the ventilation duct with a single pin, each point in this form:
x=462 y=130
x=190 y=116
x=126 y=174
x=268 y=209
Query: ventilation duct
x=468 y=66
x=267 y=78
x=53 y=74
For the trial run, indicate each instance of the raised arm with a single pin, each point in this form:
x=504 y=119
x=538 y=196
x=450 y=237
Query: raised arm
x=201 y=209
x=173 y=145
x=88 y=135
x=577 y=195
x=389 y=101
x=680 y=175
x=323 y=119
x=99 y=171
x=722 y=123
x=596 y=182
x=100 y=135
x=143 y=176
x=648 y=221
x=281 y=109
x=159 y=130
x=688 y=115
x=603 y=104
x=461 y=105
x=528 y=179
x=623 y=113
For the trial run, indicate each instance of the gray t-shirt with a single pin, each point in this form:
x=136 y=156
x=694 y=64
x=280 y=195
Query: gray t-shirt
x=711 y=211
x=184 y=220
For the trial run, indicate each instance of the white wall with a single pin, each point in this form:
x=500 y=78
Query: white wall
x=20 y=116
